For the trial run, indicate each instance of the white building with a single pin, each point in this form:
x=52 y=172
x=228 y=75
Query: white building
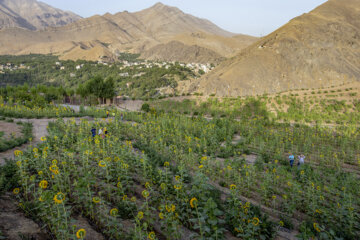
x=126 y=74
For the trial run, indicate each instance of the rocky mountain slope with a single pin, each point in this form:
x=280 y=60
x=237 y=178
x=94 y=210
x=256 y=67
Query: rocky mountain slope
x=317 y=49
x=32 y=15
x=177 y=51
x=126 y=32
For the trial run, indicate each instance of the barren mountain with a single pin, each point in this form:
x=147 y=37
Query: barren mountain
x=317 y=49
x=127 y=32
x=32 y=15
x=177 y=51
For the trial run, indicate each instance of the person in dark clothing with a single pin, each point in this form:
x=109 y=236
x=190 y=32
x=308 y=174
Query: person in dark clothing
x=291 y=159
x=93 y=132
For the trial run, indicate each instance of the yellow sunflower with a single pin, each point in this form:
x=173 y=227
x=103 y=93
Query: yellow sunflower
x=114 y=212
x=125 y=197
x=151 y=236
x=43 y=139
x=232 y=187
x=96 y=199
x=53 y=168
x=18 y=153
x=255 y=221
x=193 y=202
x=102 y=163
x=316 y=227
x=16 y=191
x=81 y=233
x=140 y=215
x=43 y=184
x=145 y=194
x=59 y=198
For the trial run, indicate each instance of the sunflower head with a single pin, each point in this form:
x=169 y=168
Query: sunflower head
x=255 y=221
x=151 y=236
x=193 y=202
x=81 y=233
x=145 y=194
x=114 y=212
x=140 y=215
x=102 y=163
x=43 y=184
x=96 y=199
x=16 y=191
x=59 y=198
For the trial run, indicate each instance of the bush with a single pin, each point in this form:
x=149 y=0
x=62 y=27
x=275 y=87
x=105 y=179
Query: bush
x=145 y=107
x=8 y=176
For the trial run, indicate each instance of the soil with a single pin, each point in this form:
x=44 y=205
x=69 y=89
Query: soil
x=10 y=128
x=15 y=225
x=130 y=105
x=91 y=234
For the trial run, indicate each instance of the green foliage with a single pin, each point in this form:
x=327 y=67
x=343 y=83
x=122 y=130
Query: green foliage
x=145 y=78
x=145 y=107
x=9 y=176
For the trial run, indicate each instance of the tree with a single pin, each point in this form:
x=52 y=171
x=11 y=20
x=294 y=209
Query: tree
x=109 y=88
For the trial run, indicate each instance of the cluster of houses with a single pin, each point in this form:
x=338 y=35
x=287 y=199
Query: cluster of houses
x=144 y=64
x=148 y=64
x=12 y=67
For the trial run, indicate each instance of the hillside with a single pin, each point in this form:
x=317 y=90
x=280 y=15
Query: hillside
x=127 y=32
x=177 y=51
x=317 y=49
x=32 y=15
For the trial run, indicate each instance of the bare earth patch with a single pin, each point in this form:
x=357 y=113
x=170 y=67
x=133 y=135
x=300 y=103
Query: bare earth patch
x=9 y=129
x=15 y=225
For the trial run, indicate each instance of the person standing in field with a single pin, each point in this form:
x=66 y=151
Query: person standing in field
x=301 y=158
x=291 y=160
x=93 y=132
x=107 y=114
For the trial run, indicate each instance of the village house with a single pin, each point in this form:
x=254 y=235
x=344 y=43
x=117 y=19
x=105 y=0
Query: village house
x=126 y=74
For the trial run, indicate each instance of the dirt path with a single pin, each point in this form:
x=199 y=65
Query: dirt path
x=39 y=130
x=15 y=225
x=9 y=129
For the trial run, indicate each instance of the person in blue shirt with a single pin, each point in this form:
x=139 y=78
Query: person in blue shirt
x=93 y=132
x=291 y=159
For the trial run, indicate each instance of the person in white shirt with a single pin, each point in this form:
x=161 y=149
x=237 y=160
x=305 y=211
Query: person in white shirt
x=301 y=159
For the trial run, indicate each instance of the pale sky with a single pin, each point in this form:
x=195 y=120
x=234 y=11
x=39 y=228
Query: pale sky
x=253 y=17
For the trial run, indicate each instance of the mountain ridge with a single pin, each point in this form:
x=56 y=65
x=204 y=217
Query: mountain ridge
x=32 y=15
x=317 y=49
x=126 y=32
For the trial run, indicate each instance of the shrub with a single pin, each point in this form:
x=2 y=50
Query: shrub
x=145 y=107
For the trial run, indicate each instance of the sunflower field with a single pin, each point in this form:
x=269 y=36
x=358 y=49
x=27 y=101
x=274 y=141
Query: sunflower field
x=171 y=176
